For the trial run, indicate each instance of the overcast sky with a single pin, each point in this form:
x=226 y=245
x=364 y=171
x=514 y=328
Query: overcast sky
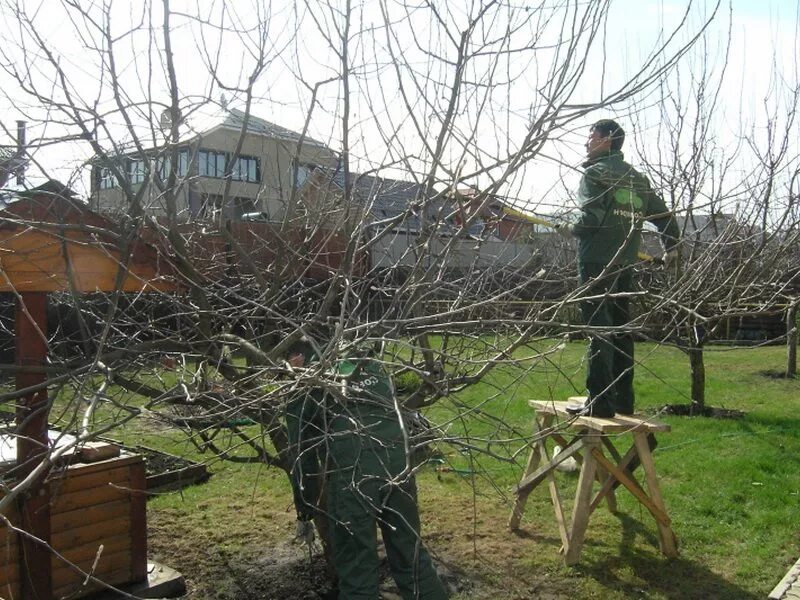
x=762 y=31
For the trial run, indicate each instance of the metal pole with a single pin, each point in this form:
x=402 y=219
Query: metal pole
x=22 y=142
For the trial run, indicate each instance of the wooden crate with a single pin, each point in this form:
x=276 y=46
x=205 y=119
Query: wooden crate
x=92 y=505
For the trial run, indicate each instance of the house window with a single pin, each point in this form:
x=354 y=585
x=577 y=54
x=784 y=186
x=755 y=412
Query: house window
x=246 y=169
x=210 y=163
x=164 y=165
x=107 y=179
x=136 y=170
x=303 y=173
x=183 y=163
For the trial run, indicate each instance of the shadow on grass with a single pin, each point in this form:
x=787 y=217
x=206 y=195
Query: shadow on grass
x=676 y=579
x=692 y=410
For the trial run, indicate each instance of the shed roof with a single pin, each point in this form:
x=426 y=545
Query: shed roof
x=51 y=241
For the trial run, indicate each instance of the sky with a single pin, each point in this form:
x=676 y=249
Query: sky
x=393 y=124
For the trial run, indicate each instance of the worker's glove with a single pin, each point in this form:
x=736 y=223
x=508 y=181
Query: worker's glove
x=304 y=532
x=671 y=259
x=564 y=230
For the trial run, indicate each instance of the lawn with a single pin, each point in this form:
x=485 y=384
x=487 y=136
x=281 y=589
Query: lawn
x=732 y=489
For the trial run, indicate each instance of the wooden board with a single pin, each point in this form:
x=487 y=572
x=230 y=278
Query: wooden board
x=9 y=553
x=9 y=573
x=88 y=552
x=92 y=505
x=80 y=469
x=74 y=588
x=108 y=564
x=618 y=424
x=41 y=261
x=65 y=520
x=90 y=533
x=49 y=242
x=87 y=497
x=97 y=451
x=119 y=476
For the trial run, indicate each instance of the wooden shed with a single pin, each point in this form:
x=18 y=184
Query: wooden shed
x=77 y=517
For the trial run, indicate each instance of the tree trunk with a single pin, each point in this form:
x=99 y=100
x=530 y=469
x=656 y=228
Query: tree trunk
x=698 y=369
x=791 y=340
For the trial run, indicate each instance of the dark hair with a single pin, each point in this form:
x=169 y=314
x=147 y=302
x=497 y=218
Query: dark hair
x=607 y=127
x=302 y=346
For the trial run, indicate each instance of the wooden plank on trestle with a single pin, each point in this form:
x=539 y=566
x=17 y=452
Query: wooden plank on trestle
x=667 y=539
x=630 y=483
x=580 y=512
x=534 y=458
x=555 y=498
x=617 y=424
x=531 y=481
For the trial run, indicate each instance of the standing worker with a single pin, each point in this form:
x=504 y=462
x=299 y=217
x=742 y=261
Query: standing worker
x=615 y=199
x=369 y=481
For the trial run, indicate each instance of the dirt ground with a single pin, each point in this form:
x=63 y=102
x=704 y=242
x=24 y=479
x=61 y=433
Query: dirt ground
x=476 y=561
x=285 y=570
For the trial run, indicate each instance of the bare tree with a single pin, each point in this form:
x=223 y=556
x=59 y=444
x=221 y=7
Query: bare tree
x=441 y=97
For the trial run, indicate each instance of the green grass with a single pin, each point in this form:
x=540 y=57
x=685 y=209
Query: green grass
x=732 y=489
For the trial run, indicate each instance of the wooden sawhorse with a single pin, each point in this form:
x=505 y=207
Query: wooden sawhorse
x=584 y=438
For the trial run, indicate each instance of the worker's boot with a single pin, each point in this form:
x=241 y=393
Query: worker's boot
x=592 y=407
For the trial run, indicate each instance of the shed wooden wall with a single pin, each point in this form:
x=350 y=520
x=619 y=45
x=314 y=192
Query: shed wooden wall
x=94 y=504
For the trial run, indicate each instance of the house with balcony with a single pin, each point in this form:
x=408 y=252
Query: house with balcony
x=226 y=165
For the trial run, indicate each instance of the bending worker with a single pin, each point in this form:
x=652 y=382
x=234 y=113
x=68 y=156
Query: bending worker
x=614 y=199
x=355 y=429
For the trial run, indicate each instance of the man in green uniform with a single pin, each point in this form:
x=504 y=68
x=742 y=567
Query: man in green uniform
x=615 y=199
x=357 y=430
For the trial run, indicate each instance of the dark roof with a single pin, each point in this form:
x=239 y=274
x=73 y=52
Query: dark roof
x=388 y=198
x=51 y=187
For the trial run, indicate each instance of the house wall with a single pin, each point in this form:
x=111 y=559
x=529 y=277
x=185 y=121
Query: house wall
x=513 y=229
x=397 y=250
x=198 y=197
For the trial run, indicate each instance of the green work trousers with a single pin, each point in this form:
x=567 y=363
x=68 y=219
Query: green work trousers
x=362 y=498
x=609 y=376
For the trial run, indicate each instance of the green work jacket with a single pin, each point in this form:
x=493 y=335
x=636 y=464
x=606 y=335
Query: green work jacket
x=331 y=431
x=615 y=200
